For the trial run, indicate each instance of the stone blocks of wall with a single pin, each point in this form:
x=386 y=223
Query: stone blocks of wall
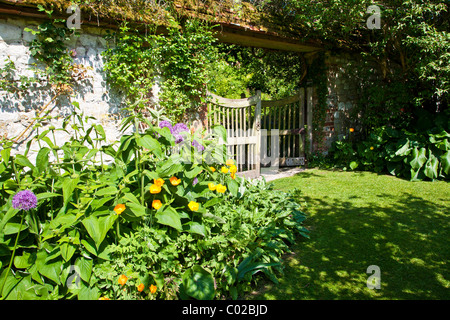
x=93 y=95
x=343 y=80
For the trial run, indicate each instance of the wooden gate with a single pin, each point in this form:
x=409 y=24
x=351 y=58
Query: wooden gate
x=242 y=121
x=253 y=126
x=286 y=118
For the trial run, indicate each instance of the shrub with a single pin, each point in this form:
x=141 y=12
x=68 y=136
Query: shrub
x=414 y=156
x=160 y=215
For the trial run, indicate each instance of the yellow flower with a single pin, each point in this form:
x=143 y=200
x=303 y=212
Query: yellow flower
x=212 y=169
x=156 y=204
x=233 y=175
x=159 y=182
x=224 y=170
x=175 y=181
x=103 y=298
x=122 y=279
x=153 y=289
x=220 y=188
x=229 y=162
x=233 y=169
x=141 y=287
x=352 y=130
x=211 y=186
x=119 y=208
x=155 y=189
x=371 y=148
x=193 y=205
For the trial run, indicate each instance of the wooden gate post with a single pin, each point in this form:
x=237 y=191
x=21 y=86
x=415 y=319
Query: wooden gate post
x=257 y=130
x=309 y=115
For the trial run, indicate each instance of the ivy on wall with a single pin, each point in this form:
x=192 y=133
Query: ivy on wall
x=317 y=78
x=179 y=59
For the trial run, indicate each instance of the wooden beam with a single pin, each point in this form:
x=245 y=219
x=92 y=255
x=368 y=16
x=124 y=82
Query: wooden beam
x=250 y=38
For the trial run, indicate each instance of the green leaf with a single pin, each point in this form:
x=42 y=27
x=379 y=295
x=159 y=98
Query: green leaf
x=445 y=162
x=170 y=167
x=233 y=186
x=148 y=142
x=23 y=161
x=12 y=228
x=432 y=166
x=98 y=228
x=136 y=209
x=87 y=293
x=195 y=227
x=52 y=269
x=168 y=216
x=69 y=184
x=25 y=260
x=106 y=191
x=419 y=158
x=46 y=195
x=220 y=131
x=404 y=150
x=42 y=159
x=213 y=201
x=85 y=267
x=67 y=250
x=193 y=173
x=198 y=283
x=131 y=198
x=353 y=165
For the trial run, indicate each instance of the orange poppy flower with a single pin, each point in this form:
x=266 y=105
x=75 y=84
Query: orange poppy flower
x=220 y=188
x=194 y=206
x=233 y=175
x=141 y=287
x=122 y=279
x=156 y=204
x=159 y=182
x=153 y=289
x=155 y=189
x=119 y=208
x=352 y=130
x=175 y=181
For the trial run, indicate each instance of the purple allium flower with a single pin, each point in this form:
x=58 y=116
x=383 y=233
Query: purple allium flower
x=178 y=138
x=179 y=127
x=165 y=123
x=198 y=145
x=24 y=200
x=195 y=181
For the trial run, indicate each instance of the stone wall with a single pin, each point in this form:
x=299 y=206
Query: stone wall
x=343 y=81
x=95 y=98
x=93 y=95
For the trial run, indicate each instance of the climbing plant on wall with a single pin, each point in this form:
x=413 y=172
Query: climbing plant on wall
x=179 y=59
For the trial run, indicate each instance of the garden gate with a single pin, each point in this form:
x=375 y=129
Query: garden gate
x=264 y=133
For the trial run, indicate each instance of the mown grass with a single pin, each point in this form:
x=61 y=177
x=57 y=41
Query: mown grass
x=359 y=219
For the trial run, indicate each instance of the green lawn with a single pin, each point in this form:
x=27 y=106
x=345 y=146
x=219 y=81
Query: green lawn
x=358 y=219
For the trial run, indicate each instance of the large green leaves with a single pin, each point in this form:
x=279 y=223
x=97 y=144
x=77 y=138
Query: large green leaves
x=432 y=166
x=419 y=158
x=198 y=283
x=99 y=227
x=445 y=162
x=170 y=217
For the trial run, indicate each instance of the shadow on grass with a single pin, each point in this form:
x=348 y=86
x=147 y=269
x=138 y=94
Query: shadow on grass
x=405 y=236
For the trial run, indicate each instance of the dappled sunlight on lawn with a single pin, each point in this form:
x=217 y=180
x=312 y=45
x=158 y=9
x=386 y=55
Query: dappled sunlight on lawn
x=364 y=219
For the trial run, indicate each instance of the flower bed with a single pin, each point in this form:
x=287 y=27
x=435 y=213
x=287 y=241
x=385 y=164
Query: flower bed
x=168 y=219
